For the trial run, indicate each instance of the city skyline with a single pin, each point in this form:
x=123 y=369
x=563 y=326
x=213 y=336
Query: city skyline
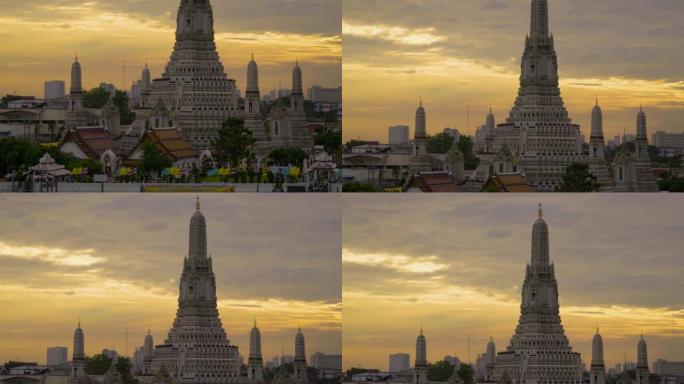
x=466 y=55
x=115 y=262
x=456 y=268
x=278 y=32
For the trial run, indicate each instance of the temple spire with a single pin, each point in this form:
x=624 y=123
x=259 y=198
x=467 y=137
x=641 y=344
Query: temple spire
x=540 y=19
x=541 y=211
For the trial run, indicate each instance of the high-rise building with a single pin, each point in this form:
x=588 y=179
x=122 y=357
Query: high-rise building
x=538 y=128
x=322 y=361
x=398 y=134
x=57 y=356
x=663 y=139
x=666 y=368
x=197 y=345
x=54 y=89
x=194 y=84
x=534 y=355
x=318 y=94
x=399 y=362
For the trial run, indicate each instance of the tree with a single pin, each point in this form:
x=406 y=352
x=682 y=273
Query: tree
x=98 y=364
x=466 y=146
x=466 y=373
x=440 y=371
x=153 y=161
x=330 y=140
x=577 y=178
x=124 y=366
x=98 y=97
x=234 y=143
x=287 y=156
x=440 y=143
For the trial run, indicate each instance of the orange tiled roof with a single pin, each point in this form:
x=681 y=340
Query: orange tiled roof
x=436 y=182
x=93 y=141
x=171 y=142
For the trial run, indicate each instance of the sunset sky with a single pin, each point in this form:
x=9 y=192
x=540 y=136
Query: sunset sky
x=40 y=38
x=115 y=260
x=456 y=266
x=457 y=54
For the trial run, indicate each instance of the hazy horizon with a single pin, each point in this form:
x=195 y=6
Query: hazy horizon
x=114 y=262
x=456 y=267
x=105 y=34
x=464 y=54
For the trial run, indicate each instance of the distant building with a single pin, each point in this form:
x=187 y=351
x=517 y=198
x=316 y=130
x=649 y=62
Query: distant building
x=670 y=140
x=32 y=369
x=399 y=362
x=322 y=95
x=286 y=359
x=329 y=362
x=398 y=134
x=110 y=88
x=453 y=360
x=668 y=368
x=57 y=356
x=54 y=89
x=112 y=354
x=628 y=138
x=453 y=132
x=26 y=103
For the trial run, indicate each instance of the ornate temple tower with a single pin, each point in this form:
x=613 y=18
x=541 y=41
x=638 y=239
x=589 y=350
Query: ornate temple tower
x=633 y=172
x=641 y=140
x=539 y=351
x=255 y=365
x=78 y=365
x=642 y=372
x=421 y=368
x=420 y=162
x=490 y=129
x=194 y=84
x=538 y=127
x=197 y=350
x=490 y=362
x=597 y=374
x=299 y=376
x=76 y=115
x=598 y=166
x=253 y=119
x=148 y=353
x=299 y=131
x=146 y=88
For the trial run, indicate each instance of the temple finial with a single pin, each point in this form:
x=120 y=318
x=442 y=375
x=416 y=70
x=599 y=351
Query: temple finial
x=597 y=101
x=197 y=206
x=541 y=211
x=421 y=329
x=421 y=101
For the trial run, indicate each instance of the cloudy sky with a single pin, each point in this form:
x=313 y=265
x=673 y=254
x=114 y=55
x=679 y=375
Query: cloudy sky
x=115 y=261
x=457 y=54
x=456 y=266
x=40 y=38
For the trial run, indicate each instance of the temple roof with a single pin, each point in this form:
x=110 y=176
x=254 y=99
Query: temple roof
x=93 y=141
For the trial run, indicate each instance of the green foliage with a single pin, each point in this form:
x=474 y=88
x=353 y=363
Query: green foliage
x=125 y=368
x=466 y=145
x=439 y=143
x=287 y=156
x=98 y=97
x=467 y=374
x=18 y=155
x=234 y=143
x=332 y=141
x=357 y=187
x=356 y=371
x=153 y=161
x=8 y=99
x=440 y=371
x=98 y=364
x=577 y=178
x=672 y=184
